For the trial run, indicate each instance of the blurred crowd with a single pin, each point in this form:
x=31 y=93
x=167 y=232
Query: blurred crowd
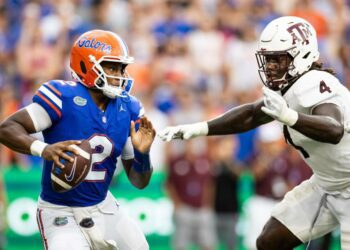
x=194 y=60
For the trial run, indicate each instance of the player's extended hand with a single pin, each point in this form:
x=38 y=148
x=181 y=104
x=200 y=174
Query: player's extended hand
x=143 y=138
x=186 y=132
x=276 y=107
x=53 y=152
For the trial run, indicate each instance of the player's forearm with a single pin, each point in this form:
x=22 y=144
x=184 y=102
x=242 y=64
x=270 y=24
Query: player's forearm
x=14 y=136
x=140 y=180
x=320 y=128
x=141 y=171
x=237 y=120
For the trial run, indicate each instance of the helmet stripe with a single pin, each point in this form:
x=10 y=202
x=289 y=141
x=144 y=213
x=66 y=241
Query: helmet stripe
x=124 y=47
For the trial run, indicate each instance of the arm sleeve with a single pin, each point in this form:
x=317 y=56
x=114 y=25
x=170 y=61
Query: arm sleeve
x=39 y=116
x=128 y=150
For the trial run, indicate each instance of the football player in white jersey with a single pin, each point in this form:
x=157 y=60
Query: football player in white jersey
x=311 y=104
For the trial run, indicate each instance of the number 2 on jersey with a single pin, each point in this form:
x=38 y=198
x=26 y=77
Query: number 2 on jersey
x=104 y=149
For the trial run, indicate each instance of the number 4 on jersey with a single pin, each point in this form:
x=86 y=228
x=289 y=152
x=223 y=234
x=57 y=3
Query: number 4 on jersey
x=324 y=87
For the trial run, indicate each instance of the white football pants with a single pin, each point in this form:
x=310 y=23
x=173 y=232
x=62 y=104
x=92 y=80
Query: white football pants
x=112 y=229
x=310 y=212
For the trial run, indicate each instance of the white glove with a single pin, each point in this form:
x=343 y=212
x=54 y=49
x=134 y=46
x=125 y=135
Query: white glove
x=277 y=108
x=184 y=131
x=347 y=126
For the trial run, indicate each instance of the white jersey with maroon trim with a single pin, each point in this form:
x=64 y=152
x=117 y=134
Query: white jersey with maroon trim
x=330 y=163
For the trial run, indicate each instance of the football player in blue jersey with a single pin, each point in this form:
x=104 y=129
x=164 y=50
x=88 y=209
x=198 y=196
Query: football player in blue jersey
x=97 y=107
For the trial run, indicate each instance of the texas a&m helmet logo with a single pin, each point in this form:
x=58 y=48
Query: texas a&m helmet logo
x=300 y=32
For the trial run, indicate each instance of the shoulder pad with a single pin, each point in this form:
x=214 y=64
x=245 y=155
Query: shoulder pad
x=51 y=97
x=315 y=87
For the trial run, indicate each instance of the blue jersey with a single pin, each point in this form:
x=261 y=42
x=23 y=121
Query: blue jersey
x=75 y=116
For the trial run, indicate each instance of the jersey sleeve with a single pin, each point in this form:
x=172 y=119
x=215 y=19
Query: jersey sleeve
x=317 y=87
x=51 y=97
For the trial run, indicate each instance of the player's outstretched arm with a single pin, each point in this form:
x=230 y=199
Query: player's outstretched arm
x=15 y=133
x=236 y=120
x=139 y=169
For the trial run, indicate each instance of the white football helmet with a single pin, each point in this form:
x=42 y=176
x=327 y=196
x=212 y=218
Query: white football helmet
x=289 y=37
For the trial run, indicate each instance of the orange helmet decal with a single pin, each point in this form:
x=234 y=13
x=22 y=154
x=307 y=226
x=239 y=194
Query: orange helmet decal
x=93 y=44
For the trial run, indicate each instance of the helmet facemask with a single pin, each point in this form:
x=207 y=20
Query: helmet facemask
x=274 y=68
x=101 y=81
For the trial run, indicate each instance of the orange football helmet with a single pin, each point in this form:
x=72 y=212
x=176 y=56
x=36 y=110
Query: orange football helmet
x=94 y=47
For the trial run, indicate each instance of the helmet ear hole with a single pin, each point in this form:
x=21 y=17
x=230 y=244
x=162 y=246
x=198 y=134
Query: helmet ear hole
x=82 y=67
x=306 y=55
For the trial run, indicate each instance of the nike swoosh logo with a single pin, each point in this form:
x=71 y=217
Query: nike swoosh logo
x=72 y=173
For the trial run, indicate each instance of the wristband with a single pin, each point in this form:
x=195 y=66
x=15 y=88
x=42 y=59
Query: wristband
x=37 y=147
x=290 y=117
x=141 y=162
x=202 y=128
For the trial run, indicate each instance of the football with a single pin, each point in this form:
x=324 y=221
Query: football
x=73 y=173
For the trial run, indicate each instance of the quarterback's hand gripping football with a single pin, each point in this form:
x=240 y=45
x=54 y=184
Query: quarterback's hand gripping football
x=276 y=107
x=55 y=152
x=143 y=138
x=182 y=132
